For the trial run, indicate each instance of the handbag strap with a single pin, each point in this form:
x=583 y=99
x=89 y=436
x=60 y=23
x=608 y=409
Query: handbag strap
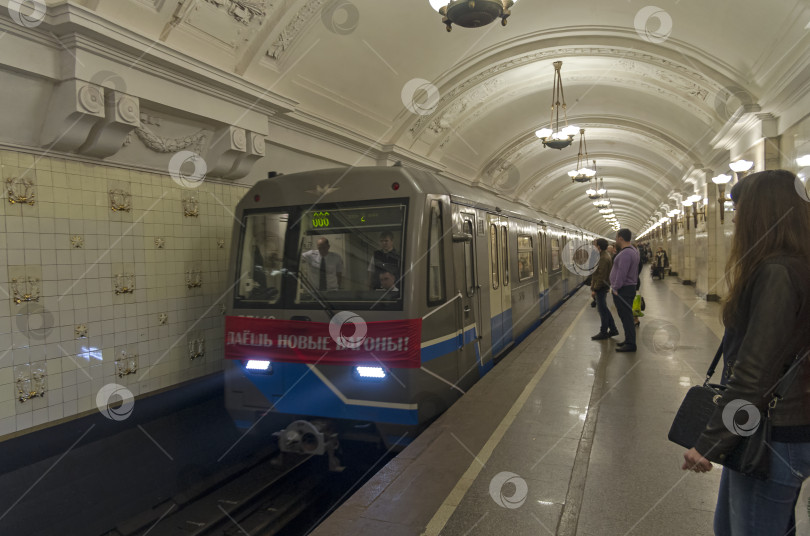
x=715 y=361
x=776 y=390
x=790 y=373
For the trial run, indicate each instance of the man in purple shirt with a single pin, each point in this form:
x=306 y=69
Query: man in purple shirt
x=623 y=279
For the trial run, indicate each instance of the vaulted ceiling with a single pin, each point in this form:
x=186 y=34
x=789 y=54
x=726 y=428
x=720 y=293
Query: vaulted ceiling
x=654 y=87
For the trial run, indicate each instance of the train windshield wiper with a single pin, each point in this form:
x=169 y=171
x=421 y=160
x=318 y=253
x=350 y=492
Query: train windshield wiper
x=323 y=302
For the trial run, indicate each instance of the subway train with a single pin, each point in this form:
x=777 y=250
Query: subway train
x=425 y=282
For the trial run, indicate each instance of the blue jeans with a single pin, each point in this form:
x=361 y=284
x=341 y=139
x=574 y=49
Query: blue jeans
x=624 y=306
x=750 y=507
x=604 y=313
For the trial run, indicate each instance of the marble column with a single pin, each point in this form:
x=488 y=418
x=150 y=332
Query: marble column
x=688 y=277
x=717 y=253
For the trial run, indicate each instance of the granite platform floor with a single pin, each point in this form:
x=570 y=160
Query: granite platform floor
x=564 y=437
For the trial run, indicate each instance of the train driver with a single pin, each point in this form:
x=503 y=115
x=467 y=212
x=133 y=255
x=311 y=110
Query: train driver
x=325 y=268
x=388 y=281
x=385 y=257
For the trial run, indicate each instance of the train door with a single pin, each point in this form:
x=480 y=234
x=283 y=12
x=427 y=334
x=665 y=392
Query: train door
x=542 y=271
x=500 y=296
x=468 y=281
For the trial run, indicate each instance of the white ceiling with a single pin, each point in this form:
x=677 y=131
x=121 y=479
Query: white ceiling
x=652 y=100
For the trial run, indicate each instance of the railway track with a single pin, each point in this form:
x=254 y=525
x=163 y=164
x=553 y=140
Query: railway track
x=271 y=494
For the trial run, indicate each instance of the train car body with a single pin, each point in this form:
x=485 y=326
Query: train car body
x=474 y=275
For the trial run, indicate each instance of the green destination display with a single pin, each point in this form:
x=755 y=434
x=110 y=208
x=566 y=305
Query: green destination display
x=376 y=216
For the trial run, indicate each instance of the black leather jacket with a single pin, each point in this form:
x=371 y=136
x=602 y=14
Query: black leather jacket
x=770 y=330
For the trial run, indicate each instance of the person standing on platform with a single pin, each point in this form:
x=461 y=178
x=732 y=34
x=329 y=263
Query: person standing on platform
x=611 y=249
x=661 y=259
x=766 y=314
x=600 y=285
x=325 y=268
x=623 y=279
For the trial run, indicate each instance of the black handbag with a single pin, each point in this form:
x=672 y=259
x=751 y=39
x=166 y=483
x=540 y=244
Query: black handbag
x=752 y=455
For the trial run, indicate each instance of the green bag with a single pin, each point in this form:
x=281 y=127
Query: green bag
x=638 y=305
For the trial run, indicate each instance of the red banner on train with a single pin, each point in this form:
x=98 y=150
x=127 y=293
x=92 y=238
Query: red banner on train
x=346 y=340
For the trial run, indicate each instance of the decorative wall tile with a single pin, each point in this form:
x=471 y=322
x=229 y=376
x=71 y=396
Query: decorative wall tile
x=191 y=205
x=195 y=343
x=194 y=276
x=30 y=381
x=21 y=190
x=76 y=286
x=126 y=361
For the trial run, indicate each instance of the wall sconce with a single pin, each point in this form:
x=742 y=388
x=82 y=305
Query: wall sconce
x=741 y=167
x=126 y=364
x=25 y=289
x=695 y=199
x=721 y=181
x=674 y=215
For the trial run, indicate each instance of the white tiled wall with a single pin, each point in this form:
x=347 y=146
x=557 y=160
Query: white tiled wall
x=77 y=284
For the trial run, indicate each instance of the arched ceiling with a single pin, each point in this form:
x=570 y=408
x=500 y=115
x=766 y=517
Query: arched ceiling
x=652 y=86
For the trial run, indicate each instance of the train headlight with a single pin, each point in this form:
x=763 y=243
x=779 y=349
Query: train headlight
x=370 y=373
x=259 y=366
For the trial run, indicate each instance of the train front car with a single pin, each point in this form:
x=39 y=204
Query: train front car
x=340 y=318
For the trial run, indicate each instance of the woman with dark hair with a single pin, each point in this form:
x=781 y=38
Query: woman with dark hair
x=766 y=316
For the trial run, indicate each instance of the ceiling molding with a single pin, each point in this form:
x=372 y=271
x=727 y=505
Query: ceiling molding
x=470 y=74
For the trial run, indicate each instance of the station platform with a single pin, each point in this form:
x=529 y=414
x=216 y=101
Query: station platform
x=565 y=436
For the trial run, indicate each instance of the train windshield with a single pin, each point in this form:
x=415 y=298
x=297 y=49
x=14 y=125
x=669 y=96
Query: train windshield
x=260 y=261
x=330 y=256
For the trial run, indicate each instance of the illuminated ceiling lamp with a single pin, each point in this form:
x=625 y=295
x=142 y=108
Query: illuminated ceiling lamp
x=599 y=191
x=472 y=13
x=583 y=173
x=554 y=136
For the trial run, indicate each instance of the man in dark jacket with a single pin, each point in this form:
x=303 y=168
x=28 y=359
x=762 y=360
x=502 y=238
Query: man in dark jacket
x=600 y=285
x=384 y=259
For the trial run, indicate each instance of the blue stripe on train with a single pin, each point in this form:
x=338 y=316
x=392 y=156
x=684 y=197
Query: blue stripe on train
x=502 y=331
x=544 y=305
x=311 y=396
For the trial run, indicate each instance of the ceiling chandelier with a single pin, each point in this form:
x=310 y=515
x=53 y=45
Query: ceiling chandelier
x=599 y=191
x=582 y=173
x=472 y=13
x=554 y=136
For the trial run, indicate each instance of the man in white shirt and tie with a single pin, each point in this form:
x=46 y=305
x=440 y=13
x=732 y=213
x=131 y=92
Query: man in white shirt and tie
x=325 y=269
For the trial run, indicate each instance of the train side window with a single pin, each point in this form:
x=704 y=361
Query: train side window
x=505 y=246
x=493 y=256
x=525 y=257
x=469 y=259
x=436 y=294
x=555 y=254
